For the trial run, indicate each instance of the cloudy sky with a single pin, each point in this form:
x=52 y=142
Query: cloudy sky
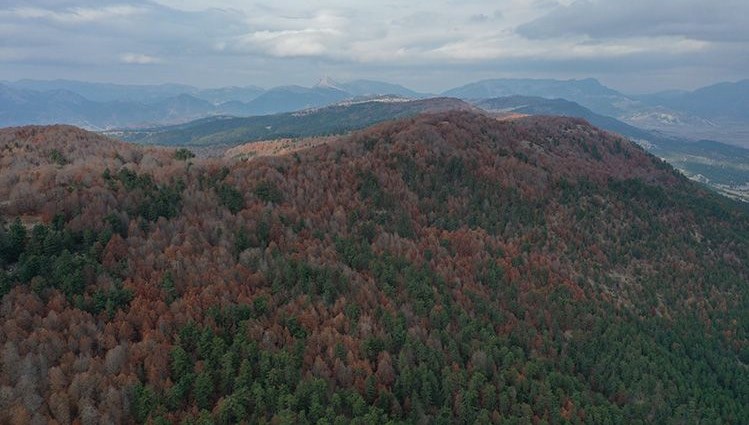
x=633 y=45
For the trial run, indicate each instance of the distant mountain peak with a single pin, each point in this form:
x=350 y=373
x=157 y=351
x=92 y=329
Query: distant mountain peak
x=328 y=83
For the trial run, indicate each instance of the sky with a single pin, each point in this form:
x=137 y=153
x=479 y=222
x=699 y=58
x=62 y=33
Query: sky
x=635 y=46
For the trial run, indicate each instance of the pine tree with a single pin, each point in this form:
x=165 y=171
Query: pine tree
x=203 y=391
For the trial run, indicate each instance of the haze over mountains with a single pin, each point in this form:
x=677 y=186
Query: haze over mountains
x=716 y=112
x=103 y=106
x=589 y=92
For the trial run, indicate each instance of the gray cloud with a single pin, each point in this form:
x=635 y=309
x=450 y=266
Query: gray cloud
x=605 y=19
x=102 y=32
x=427 y=44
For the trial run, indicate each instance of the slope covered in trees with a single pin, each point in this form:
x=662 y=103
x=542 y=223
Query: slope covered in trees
x=721 y=166
x=447 y=268
x=331 y=120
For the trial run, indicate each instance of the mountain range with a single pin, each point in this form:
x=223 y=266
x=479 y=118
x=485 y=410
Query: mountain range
x=588 y=92
x=717 y=112
x=105 y=106
x=723 y=101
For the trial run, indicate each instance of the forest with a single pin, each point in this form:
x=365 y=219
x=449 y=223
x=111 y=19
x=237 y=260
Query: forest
x=445 y=268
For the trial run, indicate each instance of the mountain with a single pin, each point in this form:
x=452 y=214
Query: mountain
x=222 y=95
x=18 y=105
x=143 y=93
x=324 y=93
x=107 y=92
x=723 y=101
x=374 y=88
x=723 y=167
x=178 y=108
x=294 y=98
x=711 y=113
x=717 y=112
x=447 y=267
x=104 y=106
x=335 y=119
x=529 y=105
x=62 y=106
x=587 y=92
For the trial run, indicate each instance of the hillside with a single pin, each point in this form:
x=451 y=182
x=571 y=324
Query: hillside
x=443 y=268
x=723 y=167
x=337 y=119
x=587 y=92
x=531 y=105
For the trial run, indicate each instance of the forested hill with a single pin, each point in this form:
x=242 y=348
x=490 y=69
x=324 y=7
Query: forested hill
x=447 y=268
x=330 y=120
